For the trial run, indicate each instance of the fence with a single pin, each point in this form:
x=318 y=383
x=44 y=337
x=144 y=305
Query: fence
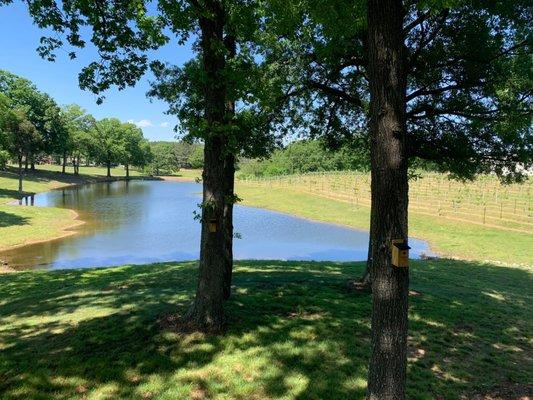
x=484 y=201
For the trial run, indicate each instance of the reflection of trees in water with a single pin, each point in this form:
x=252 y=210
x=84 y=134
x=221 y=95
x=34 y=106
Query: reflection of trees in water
x=28 y=200
x=104 y=205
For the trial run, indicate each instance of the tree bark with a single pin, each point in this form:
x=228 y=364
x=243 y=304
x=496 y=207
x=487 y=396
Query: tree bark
x=389 y=187
x=127 y=171
x=26 y=162
x=229 y=172
x=64 y=165
x=229 y=178
x=108 y=165
x=207 y=312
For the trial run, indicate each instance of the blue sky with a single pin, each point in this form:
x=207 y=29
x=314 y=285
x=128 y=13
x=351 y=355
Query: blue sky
x=18 y=40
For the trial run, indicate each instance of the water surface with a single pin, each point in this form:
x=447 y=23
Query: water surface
x=152 y=221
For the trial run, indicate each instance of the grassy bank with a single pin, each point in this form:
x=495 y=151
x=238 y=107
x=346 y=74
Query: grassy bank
x=450 y=238
x=19 y=225
x=294 y=333
x=24 y=225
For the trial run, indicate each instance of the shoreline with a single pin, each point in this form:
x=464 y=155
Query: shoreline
x=75 y=220
x=65 y=232
x=70 y=229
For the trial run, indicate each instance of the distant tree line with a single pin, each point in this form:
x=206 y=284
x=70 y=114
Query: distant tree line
x=169 y=157
x=307 y=156
x=314 y=155
x=34 y=128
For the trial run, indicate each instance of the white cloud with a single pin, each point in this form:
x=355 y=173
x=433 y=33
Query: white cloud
x=164 y=124
x=143 y=123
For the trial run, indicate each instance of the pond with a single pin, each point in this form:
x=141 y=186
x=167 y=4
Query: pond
x=140 y=222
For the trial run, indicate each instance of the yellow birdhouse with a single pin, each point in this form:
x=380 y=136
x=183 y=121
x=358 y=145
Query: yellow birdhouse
x=212 y=225
x=400 y=253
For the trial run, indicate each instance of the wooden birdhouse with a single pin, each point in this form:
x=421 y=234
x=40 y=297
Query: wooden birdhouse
x=400 y=253
x=212 y=225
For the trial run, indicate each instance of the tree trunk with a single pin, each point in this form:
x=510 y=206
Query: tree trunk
x=32 y=163
x=127 y=171
x=207 y=312
x=76 y=164
x=229 y=172
x=229 y=177
x=108 y=165
x=64 y=164
x=389 y=187
x=20 y=174
x=26 y=163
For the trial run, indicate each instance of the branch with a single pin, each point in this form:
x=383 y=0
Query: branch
x=417 y=21
x=424 y=42
x=426 y=92
x=485 y=115
x=355 y=100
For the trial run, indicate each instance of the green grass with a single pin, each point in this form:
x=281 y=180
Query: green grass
x=294 y=332
x=25 y=225
x=189 y=174
x=90 y=171
x=450 y=238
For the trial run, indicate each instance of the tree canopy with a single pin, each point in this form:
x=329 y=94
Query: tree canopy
x=469 y=83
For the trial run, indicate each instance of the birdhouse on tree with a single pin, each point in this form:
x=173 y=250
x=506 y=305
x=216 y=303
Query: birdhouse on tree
x=212 y=225
x=400 y=253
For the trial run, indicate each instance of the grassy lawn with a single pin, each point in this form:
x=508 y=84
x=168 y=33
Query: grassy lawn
x=451 y=238
x=90 y=171
x=189 y=174
x=294 y=333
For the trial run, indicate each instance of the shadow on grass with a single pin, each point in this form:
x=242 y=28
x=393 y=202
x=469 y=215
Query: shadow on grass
x=9 y=194
x=293 y=333
x=8 y=219
x=39 y=176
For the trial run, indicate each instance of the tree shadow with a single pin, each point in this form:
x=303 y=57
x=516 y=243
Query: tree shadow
x=294 y=332
x=9 y=194
x=9 y=219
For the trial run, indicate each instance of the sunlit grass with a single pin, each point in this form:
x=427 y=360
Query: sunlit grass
x=449 y=238
x=91 y=171
x=294 y=332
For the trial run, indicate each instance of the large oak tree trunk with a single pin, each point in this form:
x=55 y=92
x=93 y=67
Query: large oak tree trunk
x=229 y=172
x=387 y=78
x=207 y=311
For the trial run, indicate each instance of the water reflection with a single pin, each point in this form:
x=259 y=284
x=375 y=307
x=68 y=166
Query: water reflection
x=28 y=200
x=147 y=221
